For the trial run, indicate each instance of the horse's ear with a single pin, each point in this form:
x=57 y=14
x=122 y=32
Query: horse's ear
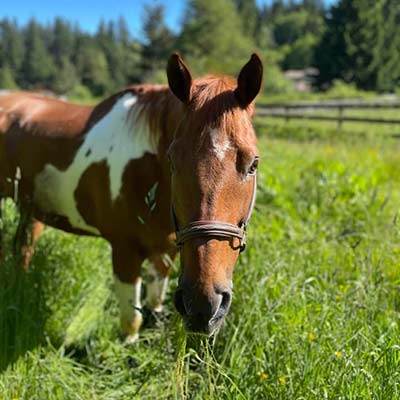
x=179 y=78
x=249 y=81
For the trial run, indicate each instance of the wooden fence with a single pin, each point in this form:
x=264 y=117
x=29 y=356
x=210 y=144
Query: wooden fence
x=307 y=110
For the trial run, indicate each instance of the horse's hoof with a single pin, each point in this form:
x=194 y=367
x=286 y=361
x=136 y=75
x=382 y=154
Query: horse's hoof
x=131 y=339
x=132 y=362
x=158 y=309
x=153 y=317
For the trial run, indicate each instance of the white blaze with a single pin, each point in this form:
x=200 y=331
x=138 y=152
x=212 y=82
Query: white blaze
x=113 y=139
x=220 y=143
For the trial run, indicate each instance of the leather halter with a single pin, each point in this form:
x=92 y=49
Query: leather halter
x=212 y=228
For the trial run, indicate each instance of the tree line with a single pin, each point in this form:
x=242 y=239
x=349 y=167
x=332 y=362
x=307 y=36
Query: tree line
x=353 y=40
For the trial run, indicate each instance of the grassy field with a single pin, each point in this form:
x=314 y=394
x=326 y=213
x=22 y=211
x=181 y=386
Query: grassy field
x=316 y=302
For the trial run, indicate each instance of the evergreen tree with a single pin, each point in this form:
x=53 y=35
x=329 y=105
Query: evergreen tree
x=159 y=41
x=248 y=12
x=66 y=77
x=263 y=36
x=133 y=62
x=353 y=47
x=277 y=8
x=7 y=79
x=212 y=37
x=294 y=25
x=93 y=68
x=62 y=45
x=106 y=37
x=388 y=76
x=301 y=53
x=38 y=68
x=316 y=6
x=11 y=47
x=123 y=35
x=59 y=56
x=131 y=53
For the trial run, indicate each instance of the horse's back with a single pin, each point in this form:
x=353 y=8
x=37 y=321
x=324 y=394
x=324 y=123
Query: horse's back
x=35 y=129
x=38 y=114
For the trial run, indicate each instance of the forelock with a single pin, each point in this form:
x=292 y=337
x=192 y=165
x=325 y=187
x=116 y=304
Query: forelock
x=215 y=103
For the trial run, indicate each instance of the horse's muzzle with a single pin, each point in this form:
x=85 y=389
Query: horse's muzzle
x=202 y=313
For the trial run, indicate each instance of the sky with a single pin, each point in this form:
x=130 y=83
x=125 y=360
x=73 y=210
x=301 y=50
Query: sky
x=89 y=12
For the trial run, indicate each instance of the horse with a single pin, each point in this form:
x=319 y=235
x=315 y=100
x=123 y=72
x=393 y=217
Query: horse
x=120 y=169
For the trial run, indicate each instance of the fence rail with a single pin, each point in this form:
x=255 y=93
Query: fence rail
x=305 y=111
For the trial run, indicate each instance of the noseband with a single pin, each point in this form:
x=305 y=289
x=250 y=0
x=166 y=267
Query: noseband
x=214 y=229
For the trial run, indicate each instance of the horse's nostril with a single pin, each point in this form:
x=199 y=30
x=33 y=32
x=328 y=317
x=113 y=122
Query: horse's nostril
x=203 y=313
x=223 y=307
x=226 y=301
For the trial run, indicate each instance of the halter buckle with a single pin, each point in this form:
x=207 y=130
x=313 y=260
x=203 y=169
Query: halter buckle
x=243 y=239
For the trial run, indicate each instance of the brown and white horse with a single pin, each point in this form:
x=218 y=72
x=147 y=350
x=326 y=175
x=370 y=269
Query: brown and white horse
x=117 y=170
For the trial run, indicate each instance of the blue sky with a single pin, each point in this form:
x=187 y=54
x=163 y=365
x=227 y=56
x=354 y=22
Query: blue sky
x=88 y=12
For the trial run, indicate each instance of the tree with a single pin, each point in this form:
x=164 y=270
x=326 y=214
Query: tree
x=7 y=79
x=248 y=12
x=292 y=26
x=361 y=44
x=93 y=68
x=122 y=30
x=388 y=76
x=159 y=41
x=263 y=35
x=212 y=37
x=315 y=6
x=131 y=53
x=62 y=45
x=38 y=68
x=301 y=53
x=11 y=47
x=66 y=77
x=277 y=8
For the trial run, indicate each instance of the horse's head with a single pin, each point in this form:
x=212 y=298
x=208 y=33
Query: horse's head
x=213 y=161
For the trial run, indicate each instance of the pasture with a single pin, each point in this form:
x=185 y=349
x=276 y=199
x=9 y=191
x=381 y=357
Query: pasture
x=316 y=300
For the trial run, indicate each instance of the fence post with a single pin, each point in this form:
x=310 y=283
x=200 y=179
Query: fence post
x=287 y=114
x=340 y=118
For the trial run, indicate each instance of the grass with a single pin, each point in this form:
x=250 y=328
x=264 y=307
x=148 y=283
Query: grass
x=316 y=302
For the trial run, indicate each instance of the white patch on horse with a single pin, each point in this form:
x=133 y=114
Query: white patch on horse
x=129 y=304
x=220 y=144
x=156 y=288
x=115 y=139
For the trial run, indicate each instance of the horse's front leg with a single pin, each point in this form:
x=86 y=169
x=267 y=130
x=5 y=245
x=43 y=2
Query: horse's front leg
x=35 y=230
x=28 y=232
x=2 y=240
x=127 y=282
x=157 y=280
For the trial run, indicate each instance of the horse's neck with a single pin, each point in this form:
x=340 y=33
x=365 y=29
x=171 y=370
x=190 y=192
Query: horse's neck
x=162 y=113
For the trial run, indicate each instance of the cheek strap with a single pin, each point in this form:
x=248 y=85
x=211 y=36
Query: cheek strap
x=211 y=229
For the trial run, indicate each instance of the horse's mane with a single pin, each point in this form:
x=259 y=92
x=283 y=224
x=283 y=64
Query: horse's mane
x=213 y=99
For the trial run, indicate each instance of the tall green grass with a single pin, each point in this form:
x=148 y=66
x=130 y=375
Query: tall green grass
x=316 y=301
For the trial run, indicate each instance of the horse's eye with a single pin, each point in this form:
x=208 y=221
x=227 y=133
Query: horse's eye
x=253 y=167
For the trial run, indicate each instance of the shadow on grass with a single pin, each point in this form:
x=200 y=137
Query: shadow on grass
x=23 y=311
